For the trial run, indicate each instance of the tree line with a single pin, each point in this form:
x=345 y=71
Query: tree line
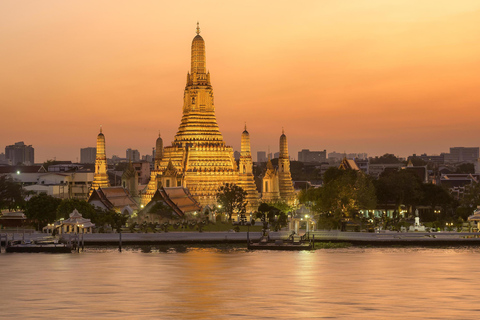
x=347 y=192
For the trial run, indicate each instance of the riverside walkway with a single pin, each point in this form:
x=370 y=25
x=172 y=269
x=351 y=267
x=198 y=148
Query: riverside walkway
x=355 y=238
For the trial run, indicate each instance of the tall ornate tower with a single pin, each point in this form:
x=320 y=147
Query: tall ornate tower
x=198 y=158
x=158 y=152
x=287 y=193
x=245 y=167
x=100 y=178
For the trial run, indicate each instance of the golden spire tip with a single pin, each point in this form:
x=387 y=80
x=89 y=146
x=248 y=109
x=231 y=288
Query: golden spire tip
x=100 y=128
x=198 y=28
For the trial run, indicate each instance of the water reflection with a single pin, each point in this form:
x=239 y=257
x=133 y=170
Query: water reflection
x=229 y=282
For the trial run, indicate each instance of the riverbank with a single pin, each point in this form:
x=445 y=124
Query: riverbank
x=354 y=238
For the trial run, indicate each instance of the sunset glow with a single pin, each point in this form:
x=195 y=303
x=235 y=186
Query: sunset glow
x=357 y=76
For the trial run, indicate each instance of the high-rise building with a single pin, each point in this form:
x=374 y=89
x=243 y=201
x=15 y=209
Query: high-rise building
x=20 y=153
x=87 y=155
x=3 y=159
x=132 y=155
x=261 y=156
x=312 y=156
x=462 y=154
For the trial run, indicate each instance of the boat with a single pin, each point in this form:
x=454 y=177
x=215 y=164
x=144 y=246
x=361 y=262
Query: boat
x=41 y=245
x=292 y=244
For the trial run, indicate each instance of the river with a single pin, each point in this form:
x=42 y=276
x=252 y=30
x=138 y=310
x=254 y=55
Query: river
x=233 y=283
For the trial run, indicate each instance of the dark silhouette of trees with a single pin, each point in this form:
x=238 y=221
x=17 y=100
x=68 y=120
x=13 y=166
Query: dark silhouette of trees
x=232 y=199
x=12 y=195
x=42 y=209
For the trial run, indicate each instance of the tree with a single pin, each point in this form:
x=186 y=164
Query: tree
x=271 y=215
x=346 y=191
x=232 y=199
x=12 y=195
x=416 y=161
x=67 y=206
x=433 y=196
x=401 y=187
x=42 y=209
x=387 y=158
x=162 y=209
x=470 y=201
x=117 y=220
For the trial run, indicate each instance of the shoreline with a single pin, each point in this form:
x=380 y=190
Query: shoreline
x=208 y=238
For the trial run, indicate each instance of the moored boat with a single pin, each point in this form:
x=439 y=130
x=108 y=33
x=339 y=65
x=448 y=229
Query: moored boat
x=289 y=245
x=43 y=245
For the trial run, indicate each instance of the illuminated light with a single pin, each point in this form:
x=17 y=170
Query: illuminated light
x=141 y=206
x=18 y=172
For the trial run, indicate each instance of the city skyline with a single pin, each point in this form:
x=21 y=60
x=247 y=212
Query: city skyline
x=375 y=78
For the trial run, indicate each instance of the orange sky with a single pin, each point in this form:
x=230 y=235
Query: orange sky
x=398 y=76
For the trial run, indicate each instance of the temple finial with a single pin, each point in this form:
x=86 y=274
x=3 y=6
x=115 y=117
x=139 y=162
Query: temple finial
x=245 y=125
x=159 y=135
x=283 y=131
x=100 y=128
x=198 y=27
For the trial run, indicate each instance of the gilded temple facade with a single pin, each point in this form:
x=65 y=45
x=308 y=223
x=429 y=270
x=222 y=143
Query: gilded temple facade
x=100 y=178
x=277 y=182
x=199 y=159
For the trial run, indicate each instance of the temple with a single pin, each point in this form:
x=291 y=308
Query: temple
x=277 y=182
x=100 y=178
x=199 y=159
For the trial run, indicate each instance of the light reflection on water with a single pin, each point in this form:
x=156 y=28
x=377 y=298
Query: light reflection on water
x=206 y=283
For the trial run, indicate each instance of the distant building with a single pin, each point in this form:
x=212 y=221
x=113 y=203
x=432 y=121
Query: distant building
x=87 y=155
x=339 y=156
x=462 y=154
x=276 y=155
x=261 y=156
x=236 y=155
x=20 y=153
x=362 y=164
x=116 y=159
x=133 y=155
x=457 y=182
x=148 y=158
x=438 y=159
x=3 y=159
x=312 y=156
x=375 y=170
x=143 y=170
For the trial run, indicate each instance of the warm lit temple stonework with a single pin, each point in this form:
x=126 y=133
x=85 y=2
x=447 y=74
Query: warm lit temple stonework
x=100 y=178
x=198 y=158
x=277 y=182
x=285 y=185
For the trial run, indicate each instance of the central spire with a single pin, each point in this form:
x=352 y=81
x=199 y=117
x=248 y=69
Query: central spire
x=199 y=125
x=198 y=54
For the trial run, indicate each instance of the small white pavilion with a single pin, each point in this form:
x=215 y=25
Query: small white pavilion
x=75 y=224
x=475 y=217
x=299 y=216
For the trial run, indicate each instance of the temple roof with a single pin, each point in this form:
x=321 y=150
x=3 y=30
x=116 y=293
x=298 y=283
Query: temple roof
x=113 y=197
x=177 y=198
